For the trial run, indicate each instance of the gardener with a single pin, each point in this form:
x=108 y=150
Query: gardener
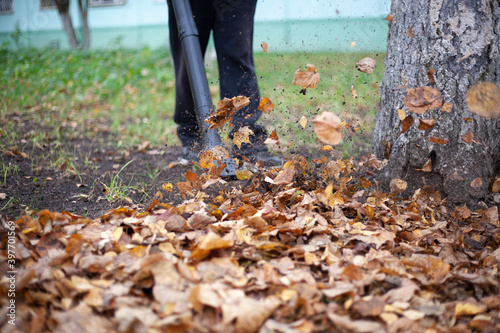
x=231 y=22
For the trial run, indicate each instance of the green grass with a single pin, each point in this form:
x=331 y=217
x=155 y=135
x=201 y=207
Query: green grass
x=129 y=94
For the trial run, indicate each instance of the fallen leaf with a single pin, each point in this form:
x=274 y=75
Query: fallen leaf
x=225 y=109
x=265 y=105
x=284 y=177
x=437 y=140
x=303 y=122
x=426 y=124
x=468 y=137
x=483 y=99
x=307 y=79
x=421 y=99
x=3 y=196
x=327 y=128
x=366 y=65
x=264 y=46
x=495 y=188
x=208 y=243
x=168 y=187
x=469 y=309
x=143 y=146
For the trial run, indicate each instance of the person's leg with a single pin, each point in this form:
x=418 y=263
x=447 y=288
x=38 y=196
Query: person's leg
x=233 y=37
x=188 y=130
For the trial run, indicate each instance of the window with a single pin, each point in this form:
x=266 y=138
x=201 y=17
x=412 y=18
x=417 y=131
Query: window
x=48 y=4
x=6 y=6
x=106 y=2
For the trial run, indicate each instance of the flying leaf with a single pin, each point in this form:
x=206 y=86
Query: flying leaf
x=430 y=76
x=327 y=128
x=484 y=99
x=427 y=166
x=366 y=65
x=406 y=124
x=397 y=186
x=437 y=140
x=476 y=183
x=284 y=177
x=307 y=79
x=468 y=137
x=495 y=188
x=353 y=44
x=401 y=114
x=354 y=93
x=243 y=174
x=168 y=187
x=264 y=46
x=421 y=99
x=265 y=105
x=242 y=136
x=326 y=148
x=303 y=122
x=426 y=124
x=447 y=107
x=389 y=17
x=225 y=110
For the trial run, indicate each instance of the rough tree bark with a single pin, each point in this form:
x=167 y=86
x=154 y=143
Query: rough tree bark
x=63 y=9
x=449 y=45
x=83 y=5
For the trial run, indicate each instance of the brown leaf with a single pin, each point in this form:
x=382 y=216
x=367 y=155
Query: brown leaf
x=225 y=110
x=143 y=146
x=366 y=65
x=354 y=93
x=371 y=308
x=307 y=79
x=208 y=243
x=495 y=188
x=406 y=124
x=447 y=107
x=421 y=99
x=284 y=177
x=389 y=17
x=468 y=137
x=427 y=166
x=466 y=308
x=411 y=32
x=476 y=183
x=327 y=128
x=483 y=99
x=401 y=114
x=264 y=46
x=397 y=186
x=430 y=75
x=437 y=140
x=426 y=124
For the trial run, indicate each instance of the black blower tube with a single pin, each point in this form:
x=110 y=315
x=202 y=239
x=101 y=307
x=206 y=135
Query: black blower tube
x=188 y=35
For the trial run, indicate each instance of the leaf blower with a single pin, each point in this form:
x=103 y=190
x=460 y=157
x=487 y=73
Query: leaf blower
x=188 y=35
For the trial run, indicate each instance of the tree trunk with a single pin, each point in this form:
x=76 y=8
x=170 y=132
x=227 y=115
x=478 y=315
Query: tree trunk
x=84 y=6
x=63 y=9
x=448 y=45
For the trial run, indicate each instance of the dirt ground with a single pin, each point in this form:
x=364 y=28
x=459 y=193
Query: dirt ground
x=79 y=175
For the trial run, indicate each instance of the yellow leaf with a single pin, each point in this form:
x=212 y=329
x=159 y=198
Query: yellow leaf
x=303 y=122
x=265 y=105
x=243 y=174
x=401 y=114
x=264 y=46
x=469 y=309
x=353 y=44
x=242 y=136
x=326 y=148
x=167 y=187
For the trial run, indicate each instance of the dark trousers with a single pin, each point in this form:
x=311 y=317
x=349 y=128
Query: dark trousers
x=231 y=22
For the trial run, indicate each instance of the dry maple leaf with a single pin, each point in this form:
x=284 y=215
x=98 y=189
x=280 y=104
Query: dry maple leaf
x=225 y=110
x=265 y=105
x=366 y=65
x=327 y=128
x=307 y=79
x=421 y=99
x=484 y=99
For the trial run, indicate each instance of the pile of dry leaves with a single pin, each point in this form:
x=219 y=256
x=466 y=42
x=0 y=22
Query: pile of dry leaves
x=285 y=252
